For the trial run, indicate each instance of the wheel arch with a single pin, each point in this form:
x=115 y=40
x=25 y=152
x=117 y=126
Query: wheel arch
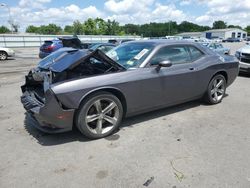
x=4 y=52
x=115 y=91
x=223 y=73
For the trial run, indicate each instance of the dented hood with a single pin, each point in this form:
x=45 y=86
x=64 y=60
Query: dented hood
x=68 y=58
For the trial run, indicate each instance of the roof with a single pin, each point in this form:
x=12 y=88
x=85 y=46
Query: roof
x=189 y=33
x=224 y=30
x=161 y=41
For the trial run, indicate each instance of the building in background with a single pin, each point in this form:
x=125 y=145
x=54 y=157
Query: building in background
x=216 y=33
x=225 y=33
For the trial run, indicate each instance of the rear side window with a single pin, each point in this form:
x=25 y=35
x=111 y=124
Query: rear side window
x=195 y=53
x=48 y=42
x=175 y=54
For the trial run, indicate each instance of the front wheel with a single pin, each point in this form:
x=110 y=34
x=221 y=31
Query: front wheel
x=99 y=115
x=216 y=89
x=3 y=55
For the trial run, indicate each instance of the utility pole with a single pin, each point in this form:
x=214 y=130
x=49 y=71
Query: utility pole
x=10 y=19
x=169 y=26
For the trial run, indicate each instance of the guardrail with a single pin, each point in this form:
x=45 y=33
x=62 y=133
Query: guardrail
x=17 y=40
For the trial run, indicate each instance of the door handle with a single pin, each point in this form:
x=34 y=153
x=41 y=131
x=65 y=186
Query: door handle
x=191 y=68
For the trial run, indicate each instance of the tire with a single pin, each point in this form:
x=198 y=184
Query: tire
x=216 y=89
x=3 y=55
x=95 y=120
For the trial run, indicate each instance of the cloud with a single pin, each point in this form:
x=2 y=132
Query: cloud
x=38 y=12
x=33 y=4
x=235 y=12
x=185 y=2
x=128 y=6
x=60 y=16
x=144 y=14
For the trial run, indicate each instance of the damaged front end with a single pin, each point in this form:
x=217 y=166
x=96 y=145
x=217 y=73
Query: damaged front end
x=42 y=105
x=38 y=97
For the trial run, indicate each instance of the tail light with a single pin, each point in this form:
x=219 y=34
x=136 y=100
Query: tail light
x=49 y=48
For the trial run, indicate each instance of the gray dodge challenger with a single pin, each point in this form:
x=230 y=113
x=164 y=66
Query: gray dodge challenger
x=95 y=91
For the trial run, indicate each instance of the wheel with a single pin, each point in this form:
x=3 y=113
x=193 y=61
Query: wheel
x=3 y=55
x=216 y=89
x=99 y=115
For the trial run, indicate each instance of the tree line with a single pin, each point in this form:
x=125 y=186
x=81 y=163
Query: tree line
x=98 y=26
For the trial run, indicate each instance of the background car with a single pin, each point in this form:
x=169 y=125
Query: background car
x=247 y=39
x=119 y=41
x=104 y=47
x=231 y=40
x=50 y=46
x=216 y=39
x=95 y=91
x=6 y=52
x=217 y=47
x=243 y=55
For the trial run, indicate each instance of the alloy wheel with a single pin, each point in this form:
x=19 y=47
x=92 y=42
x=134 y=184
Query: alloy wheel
x=218 y=89
x=102 y=116
x=3 y=56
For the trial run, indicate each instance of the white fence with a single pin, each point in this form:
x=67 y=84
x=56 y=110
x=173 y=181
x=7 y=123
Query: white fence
x=16 y=40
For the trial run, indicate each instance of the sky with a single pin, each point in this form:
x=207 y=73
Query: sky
x=64 y=12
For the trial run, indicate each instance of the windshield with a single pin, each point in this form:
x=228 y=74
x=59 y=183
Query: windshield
x=130 y=55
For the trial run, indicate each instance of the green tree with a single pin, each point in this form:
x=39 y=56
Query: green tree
x=234 y=26
x=89 y=27
x=190 y=27
x=248 y=30
x=100 y=26
x=219 y=24
x=69 y=29
x=4 y=29
x=51 y=29
x=78 y=28
x=131 y=29
x=32 y=29
x=113 y=27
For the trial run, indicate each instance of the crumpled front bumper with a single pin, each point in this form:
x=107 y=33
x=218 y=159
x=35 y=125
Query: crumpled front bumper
x=48 y=116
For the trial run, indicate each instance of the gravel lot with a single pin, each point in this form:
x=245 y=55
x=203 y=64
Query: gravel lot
x=190 y=145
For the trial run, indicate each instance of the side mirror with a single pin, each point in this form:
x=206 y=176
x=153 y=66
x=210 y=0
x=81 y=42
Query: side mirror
x=163 y=64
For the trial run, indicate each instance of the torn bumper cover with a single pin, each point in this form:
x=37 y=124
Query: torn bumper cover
x=49 y=116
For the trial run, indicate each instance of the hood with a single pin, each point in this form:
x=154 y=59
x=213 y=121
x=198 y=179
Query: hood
x=245 y=49
x=68 y=58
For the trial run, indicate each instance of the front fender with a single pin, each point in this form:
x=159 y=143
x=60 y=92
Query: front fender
x=73 y=99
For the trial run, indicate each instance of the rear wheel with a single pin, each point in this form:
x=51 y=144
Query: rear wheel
x=216 y=89
x=3 y=55
x=100 y=115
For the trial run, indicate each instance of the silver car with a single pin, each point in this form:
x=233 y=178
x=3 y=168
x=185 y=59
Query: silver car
x=243 y=55
x=218 y=47
x=6 y=52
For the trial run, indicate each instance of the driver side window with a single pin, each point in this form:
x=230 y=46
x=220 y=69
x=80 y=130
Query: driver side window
x=175 y=54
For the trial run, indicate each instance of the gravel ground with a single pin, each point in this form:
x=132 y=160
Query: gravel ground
x=190 y=145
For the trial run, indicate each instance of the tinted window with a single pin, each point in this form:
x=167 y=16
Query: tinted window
x=175 y=54
x=130 y=54
x=48 y=42
x=195 y=53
